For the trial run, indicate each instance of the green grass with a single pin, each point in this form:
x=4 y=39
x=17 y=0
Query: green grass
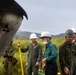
x=17 y=68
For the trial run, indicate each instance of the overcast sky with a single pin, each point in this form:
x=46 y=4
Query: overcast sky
x=55 y=16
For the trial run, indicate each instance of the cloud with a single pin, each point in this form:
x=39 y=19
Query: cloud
x=54 y=16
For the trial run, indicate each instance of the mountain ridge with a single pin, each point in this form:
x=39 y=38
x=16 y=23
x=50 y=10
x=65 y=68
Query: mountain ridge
x=26 y=34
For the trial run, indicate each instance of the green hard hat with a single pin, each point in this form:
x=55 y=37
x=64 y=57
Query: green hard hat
x=69 y=33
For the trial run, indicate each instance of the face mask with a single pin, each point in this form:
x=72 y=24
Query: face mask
x=45 y=42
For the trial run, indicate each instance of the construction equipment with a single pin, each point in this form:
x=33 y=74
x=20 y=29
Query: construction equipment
x=11 y=16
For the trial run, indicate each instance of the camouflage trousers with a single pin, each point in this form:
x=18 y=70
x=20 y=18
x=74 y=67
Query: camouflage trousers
x=8 y=68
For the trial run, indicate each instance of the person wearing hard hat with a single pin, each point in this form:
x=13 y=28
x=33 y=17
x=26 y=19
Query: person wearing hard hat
x=74 y=31
x=73 y=68
x=67 y=51
x=34 y=55
x=50 y=54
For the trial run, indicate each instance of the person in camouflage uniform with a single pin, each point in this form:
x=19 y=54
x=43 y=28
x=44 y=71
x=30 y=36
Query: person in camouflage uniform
x=34 y=55
x=8 y=62
x=73 y=64
x=66 y=53
x=74 y=31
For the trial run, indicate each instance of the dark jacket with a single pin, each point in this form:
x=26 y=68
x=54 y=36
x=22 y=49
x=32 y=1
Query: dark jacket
x=73 y=62
x=66 y=52
x=12 y=5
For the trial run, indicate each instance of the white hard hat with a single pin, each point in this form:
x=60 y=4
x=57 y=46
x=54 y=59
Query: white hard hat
x=45 y=34
x=33 y=36
x=74 y=30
